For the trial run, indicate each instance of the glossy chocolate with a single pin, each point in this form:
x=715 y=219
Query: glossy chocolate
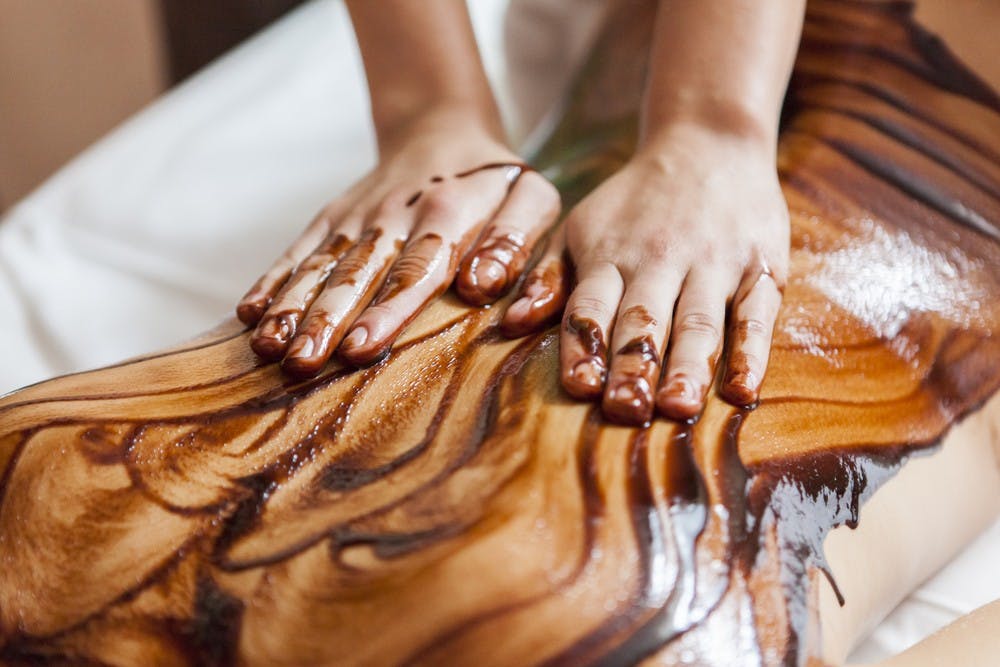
x=634 y=371
x=546 y=289
x=585 y=380
x=196 y=507
x=492 y=268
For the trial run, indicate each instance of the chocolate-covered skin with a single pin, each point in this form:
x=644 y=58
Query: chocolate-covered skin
x=450 y=504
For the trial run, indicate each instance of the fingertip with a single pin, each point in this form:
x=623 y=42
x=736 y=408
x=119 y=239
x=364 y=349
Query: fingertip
x=585 y=379
x=299 y=367
x=303 y=358
x=249 y=313
x=680 y=400
x=270 y=339
x=361 y=348
x=515 y=322
x=482 y=280
x=267 y=349
x=628 y=403
x=741 y=388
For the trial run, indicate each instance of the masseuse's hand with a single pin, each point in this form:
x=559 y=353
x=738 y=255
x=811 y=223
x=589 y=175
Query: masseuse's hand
x=448 y=202
x=692 y=226
x=431 y=210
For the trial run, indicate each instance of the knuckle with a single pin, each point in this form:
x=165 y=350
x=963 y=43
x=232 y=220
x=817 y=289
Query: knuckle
x=442 y=202
x=391 y=205
x=658 y=250
x=599 y=268
x=699 y=323
x=579 y=225
x=586 y=305
x=753 y=327
x=317 y=262
x=411 y=266
x=547 y=195
x=316 y=320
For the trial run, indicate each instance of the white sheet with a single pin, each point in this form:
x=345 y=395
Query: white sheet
x=151 y=236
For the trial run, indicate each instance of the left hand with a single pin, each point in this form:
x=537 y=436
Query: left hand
x=689 y=228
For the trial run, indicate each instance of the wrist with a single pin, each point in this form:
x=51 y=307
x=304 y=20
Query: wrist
x=710 y=118
x=458 y=117
x=704 y=139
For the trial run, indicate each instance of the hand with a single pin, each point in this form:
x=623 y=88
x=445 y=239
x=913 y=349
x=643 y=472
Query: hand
x=691 y=226
x=447 y=198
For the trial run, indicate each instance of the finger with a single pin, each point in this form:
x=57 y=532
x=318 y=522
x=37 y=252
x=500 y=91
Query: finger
x=543 y=293
x=749 y=343
x=450 y=219
x=349 y=289
x=696 y=345
x=589 y=314
x=275 y=330
x=254 y=303
x=497 y=260
x=639 y=341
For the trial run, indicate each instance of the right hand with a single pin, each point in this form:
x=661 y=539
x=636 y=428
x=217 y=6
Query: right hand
x=375 y=256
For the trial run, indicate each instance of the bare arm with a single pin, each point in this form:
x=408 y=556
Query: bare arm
x=420 y=58
x=972 y=640
x=426 y=216
x=723 y=66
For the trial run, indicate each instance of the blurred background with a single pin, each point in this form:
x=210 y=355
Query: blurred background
x=70 y=70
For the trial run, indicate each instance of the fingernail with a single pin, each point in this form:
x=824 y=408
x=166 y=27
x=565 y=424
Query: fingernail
x=741 y=387
x=278 y=327
x=680 y=399
x=520 y=308
x=680 y=388
x=491 y=276
x=589 y=372
x=302 y=346
x=356 y=338
x=628 y=403
x=249 y=313
x=626 y=393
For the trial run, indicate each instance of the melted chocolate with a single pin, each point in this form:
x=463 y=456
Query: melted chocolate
x=493 y=267
x=546 y=289
x=585 y=379
x=636 y=365
x=450 y=494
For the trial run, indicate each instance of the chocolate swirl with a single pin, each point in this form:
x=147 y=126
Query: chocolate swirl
x=451 y=503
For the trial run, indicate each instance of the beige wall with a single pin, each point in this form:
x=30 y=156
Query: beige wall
x=70 y=70
x=970 y=28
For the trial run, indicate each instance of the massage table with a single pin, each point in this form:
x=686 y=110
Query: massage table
x=152 y=233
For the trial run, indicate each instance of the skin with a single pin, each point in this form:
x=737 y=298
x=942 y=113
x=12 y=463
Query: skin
x=705 y=229
x=691 y=232
x=375 y=256
x=909 y=529
x=693 y=228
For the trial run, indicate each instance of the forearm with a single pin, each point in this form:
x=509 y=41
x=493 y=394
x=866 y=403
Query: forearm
x=971 y=640
x=421 y=57
x=722 y=64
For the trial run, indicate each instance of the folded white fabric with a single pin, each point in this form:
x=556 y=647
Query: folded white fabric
x=152 y=234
